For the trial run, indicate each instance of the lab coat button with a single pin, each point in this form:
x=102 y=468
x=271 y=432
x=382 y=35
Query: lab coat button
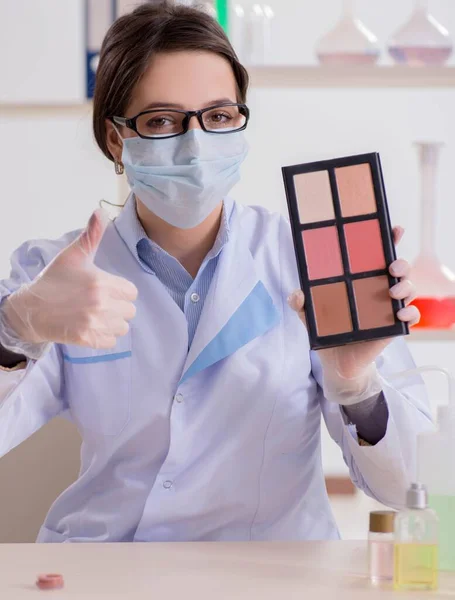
x=195 y=297
x=167 y=485
x=178 y=398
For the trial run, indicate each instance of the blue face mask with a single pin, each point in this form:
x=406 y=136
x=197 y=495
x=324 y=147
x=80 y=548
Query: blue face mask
x=182 y=179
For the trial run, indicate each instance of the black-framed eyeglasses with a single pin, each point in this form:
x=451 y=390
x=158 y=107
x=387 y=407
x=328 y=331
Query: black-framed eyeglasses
x=162 y=123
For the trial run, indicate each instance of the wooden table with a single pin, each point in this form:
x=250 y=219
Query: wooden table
x=253 y=571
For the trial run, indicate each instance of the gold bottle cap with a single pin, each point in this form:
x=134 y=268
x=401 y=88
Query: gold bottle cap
x=382 y=521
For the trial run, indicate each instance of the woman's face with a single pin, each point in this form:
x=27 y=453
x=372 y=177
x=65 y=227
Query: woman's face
x=181 y=80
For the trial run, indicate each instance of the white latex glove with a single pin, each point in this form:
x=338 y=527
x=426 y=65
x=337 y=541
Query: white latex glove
x=349 y=372
x=71 y=301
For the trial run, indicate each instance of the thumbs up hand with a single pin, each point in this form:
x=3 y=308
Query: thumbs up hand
x=72 y=301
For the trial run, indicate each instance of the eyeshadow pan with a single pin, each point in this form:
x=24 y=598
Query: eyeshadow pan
x=314 y=197
x=355 y=190
x=331 y=308
x=374 y=305
x=323 y=254
x=365 y=249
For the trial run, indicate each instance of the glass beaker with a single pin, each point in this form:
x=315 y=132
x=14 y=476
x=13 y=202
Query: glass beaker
x=350 y=42
x=422 y=41
x=434 y=281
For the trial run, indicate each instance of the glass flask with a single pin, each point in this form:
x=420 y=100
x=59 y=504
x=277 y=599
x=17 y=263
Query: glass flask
x=434 y=281
x=422 y=41
x=350 y=42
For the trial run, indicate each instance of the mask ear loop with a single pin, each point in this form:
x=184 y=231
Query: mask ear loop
x=104 y=202
x=117 y=131
x=119 y=168
x=109 y=211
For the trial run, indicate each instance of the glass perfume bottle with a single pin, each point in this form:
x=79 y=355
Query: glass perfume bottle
x=380 y=546
x=434 y=281
x=422 y=40
x=209 y=7
x=350 y=42
x=238 y=29
x=416 y=543
x=258 y=39
x=435 y=468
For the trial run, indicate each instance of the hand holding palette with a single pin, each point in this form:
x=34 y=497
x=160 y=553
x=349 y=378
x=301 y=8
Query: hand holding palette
x=344 y=247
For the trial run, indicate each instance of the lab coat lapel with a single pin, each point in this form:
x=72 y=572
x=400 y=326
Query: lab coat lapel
x=238 y=308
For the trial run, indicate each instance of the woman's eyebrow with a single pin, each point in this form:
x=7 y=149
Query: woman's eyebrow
x=154 y=105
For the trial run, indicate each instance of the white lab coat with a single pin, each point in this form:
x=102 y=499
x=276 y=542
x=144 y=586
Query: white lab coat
x=221 y=442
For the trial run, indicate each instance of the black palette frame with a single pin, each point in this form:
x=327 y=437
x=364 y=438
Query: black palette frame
x=382 y=215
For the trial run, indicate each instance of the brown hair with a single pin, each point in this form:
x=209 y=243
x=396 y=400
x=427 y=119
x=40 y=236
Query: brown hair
x=135 y=38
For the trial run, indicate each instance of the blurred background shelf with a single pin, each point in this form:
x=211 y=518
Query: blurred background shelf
x=290 y=76
x=432 y=335
x=47 y=109
x=351 y=76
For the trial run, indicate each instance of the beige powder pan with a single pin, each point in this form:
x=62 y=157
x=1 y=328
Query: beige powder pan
x=314 y=197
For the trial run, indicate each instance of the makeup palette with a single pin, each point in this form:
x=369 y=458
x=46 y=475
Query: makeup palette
x=344 y=246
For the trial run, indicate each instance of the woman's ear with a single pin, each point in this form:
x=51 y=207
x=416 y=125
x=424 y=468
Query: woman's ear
x=113 y=141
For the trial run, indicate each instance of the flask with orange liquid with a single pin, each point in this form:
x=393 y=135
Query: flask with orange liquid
x=435 y=282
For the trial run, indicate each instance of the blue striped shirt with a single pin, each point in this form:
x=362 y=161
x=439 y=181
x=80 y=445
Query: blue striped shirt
x=188 y=293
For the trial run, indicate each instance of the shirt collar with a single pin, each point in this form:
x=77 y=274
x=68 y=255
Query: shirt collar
x=132 y=233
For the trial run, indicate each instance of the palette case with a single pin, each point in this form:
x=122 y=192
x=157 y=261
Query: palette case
x=344 y=246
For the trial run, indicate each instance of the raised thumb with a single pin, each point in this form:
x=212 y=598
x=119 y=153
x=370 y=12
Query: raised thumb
x=84 y=247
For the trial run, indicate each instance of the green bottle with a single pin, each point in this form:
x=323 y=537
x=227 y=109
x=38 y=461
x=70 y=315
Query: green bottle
x=222 y=13
x=436 y=468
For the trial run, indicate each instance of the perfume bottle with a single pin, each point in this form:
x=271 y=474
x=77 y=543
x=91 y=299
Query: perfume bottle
x=238 y=29
x=208 y=7
x=422 y=41
x=258 y=35
x=435 y=448
x=350 y=42
x=380 y=546
x=416 y=543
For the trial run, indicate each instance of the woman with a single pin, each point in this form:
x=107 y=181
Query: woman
x=166 y=335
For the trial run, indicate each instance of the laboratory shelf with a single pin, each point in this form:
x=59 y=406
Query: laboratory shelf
x=297 y=76
x=432 y=335
x=24 y=109
x=283 y=76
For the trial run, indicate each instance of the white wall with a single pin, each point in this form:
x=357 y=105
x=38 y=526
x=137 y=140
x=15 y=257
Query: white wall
x=52 y=175
x=40 y=42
